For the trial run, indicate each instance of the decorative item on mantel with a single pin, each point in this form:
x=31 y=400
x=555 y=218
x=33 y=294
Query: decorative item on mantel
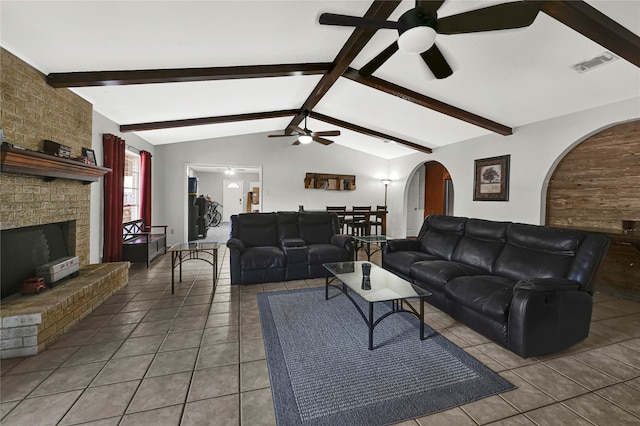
x=55 y=148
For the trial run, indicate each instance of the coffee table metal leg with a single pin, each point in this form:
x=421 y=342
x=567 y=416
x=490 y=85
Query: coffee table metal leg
x=326 y=285
x=422 y=318
x=370 y=326
x=173 y=266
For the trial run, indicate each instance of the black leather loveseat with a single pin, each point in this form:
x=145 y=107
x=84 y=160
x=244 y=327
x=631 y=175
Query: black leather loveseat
x=284 y=246
x=527 y=288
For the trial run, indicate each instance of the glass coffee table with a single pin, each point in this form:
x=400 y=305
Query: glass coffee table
x=364 y=242
x=382 y=286
x=205 y=251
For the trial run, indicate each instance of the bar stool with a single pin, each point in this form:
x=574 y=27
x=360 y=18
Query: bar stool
x=377 y=221
x=340 y=211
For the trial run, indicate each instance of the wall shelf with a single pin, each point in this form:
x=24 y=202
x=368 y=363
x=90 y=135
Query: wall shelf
x=24 y=161
x=330 y=181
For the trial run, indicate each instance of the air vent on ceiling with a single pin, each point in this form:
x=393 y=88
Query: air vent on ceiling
x=596 y=62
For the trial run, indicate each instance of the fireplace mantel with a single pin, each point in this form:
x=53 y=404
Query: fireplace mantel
x=24 y=161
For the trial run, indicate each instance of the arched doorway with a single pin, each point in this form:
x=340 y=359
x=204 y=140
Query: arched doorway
x=430 y=191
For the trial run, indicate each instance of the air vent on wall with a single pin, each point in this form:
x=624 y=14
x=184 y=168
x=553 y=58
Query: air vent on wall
x=590 y=64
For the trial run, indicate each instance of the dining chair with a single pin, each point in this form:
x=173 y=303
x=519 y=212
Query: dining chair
x=376 y=221
x=360 y=223
x=340 y=211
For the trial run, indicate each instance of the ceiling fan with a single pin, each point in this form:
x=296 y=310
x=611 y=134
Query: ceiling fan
x=305 y=135
x=418 y=28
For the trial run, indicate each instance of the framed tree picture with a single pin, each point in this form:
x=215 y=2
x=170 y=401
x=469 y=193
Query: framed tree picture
x=491 y=179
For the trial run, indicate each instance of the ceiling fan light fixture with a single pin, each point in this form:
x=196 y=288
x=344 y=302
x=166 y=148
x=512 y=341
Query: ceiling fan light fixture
x=305 y=139
x=417 y=39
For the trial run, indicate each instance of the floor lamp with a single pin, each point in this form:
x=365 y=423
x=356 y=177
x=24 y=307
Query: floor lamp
x=386 y=183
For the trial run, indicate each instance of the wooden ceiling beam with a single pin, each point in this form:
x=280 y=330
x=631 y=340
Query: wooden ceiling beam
x=368 y=132
x=597 y=26
x=181 y=75
x=427 y=102
x=156 y=125
x=380 y=9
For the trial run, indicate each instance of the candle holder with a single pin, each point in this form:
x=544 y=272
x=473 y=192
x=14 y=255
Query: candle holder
x=366 y=279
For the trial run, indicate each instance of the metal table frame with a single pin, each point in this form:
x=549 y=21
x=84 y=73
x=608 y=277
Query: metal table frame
x=397 y=306
x=364 y=242
x=182 y=252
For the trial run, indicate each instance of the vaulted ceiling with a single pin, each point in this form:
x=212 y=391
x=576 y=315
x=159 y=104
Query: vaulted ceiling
x=175 y=71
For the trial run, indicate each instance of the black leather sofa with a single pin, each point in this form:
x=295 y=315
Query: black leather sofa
x=526 y=287
x=285 y=246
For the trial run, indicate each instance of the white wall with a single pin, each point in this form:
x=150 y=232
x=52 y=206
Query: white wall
x=283 y=170
x=102 y=125
x=535 y=151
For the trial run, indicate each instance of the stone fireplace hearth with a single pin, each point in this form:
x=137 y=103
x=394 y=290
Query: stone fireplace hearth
x=33 y=111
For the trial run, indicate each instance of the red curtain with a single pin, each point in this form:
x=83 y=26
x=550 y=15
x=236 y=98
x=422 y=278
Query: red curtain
x=113 y=151
x=145 y=187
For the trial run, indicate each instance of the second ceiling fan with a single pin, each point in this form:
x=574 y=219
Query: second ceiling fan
x=305 y=135
x=417 y=29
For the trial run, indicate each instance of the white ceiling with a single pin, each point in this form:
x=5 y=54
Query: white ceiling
x=513 y=77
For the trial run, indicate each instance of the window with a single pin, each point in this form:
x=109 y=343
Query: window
x=131 y=209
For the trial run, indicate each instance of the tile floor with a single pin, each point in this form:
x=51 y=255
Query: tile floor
x=147 y=357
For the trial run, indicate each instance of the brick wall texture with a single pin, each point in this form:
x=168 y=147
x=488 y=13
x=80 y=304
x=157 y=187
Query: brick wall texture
x=30 y=112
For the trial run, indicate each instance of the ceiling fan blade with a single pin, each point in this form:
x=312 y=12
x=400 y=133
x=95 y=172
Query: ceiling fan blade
x=326 y=133
x=298 y=130
x=429 y=7
x=323 y=141
x=499 y=17
x=376 y=62
x=280 y=136
x=356 y=21
x=436 y=62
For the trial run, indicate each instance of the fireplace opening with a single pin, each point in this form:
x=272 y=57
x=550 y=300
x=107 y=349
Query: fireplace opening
x=24 y=249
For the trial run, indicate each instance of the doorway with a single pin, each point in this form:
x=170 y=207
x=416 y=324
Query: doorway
x=232 y=196
x=429 y=191
x=438 y=189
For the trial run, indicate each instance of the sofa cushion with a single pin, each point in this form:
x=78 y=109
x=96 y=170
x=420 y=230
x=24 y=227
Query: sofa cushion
x=255 y=229
x=401 y=261
x=489 y=295
x=327 y=253
x=436 y=273
x=441 y=234
x=481 y=244
x=317 y=227
x=287 y=225
x=537 y=252
x=262 y=258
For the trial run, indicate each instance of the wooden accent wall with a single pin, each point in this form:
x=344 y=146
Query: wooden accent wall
x=597 y=184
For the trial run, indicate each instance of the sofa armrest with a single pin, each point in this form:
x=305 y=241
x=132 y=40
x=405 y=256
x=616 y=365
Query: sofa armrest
x=292 y=242
x=235 y=243
x=341 y=240
x=547 y=316
x=403 y=244
x=545 y=285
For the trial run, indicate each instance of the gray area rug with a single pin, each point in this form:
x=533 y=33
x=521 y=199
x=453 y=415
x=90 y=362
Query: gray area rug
x=322 y=372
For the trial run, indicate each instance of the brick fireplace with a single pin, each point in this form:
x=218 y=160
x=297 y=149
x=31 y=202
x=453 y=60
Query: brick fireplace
x=31 y=112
